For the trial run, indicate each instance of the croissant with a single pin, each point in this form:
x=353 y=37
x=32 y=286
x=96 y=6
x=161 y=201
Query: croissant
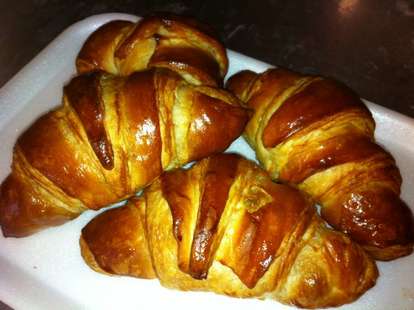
x=178 y=43
x=317 y=134
x=224 y=226
x=112 y=136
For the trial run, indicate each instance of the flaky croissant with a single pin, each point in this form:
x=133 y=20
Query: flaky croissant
x=178 y=43
x=316 y=133
x=112 y=136
x=224 y=226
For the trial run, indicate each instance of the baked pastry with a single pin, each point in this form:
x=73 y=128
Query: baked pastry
x=224 y=226
x=111 y=137
x=317 y=134
x=178 y=43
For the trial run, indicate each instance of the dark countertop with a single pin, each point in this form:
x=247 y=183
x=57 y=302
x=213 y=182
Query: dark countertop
x=368 y=44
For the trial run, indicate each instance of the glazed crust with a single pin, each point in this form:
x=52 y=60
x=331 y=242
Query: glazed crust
x=224 y=226
x=111 y=137
x=317 y=134
x=130 y=254
x=178 y=43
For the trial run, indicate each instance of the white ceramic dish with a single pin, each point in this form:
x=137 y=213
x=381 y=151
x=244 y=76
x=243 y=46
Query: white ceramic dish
x=46 y=271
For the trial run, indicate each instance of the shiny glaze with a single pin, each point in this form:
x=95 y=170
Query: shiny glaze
x=260 y=233
x=143 y=30
x=168 y=19
x=219 y=177
x=271 y=85
x=174 y=185
x=140 y=112
x=172 y=26
x=83 y=93
x=320 y=99
x=256 y=89
x=177 y=190
x=191 y=59
x=16 y=219
x=48 y=150
x=335 y=151
x=212 y=123
x=94 y=53
x=175 y=25
x=241 y=83
x=375 y=217
x=115 y=240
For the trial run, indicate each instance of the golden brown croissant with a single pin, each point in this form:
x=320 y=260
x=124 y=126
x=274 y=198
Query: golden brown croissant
x=175 y=42
x=112 y=136
x=316 y=133
x=224 y=226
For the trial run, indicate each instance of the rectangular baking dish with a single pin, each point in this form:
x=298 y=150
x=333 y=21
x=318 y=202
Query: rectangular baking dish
x=46 y=271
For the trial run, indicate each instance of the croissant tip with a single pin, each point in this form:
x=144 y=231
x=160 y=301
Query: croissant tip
x=239 y=83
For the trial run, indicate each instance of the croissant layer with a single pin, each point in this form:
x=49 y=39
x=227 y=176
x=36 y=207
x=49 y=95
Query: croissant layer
x=316 y=134
x=224 y=226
